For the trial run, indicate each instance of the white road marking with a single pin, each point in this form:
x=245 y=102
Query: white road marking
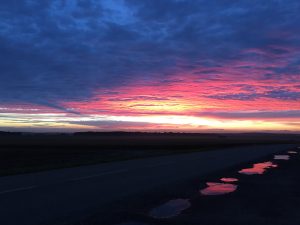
x=17 y=189
x=98 y=175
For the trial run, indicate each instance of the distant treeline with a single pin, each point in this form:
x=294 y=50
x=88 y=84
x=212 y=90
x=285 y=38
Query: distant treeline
x=137 y=133
x=126 y=133
x=5 y=133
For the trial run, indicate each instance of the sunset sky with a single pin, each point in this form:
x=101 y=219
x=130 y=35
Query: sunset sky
x=150 y=65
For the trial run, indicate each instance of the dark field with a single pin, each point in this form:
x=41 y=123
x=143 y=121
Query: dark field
x=22 y=153
x=272 y=198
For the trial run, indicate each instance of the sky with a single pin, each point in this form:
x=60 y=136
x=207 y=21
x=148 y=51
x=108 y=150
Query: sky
x=150 y=65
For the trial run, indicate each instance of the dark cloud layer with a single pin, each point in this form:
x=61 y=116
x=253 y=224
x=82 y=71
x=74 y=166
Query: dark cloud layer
x=248 y=96
x=61 y=50
x=284 y=114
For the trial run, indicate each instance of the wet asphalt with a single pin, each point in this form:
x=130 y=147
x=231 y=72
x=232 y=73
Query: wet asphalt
x=68 y=195
x=271 y=197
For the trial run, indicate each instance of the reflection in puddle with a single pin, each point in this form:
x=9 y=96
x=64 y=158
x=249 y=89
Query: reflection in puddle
x=292 y=152
x=229 y=179
x=258 y=168
x=282 y=157
x=170 y=209
x=218 y=188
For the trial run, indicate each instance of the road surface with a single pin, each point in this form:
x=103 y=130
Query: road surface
x=60 y=195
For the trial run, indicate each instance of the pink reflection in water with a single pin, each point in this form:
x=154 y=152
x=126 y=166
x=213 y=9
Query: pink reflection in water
x=258 y=168
x=292 y=152
x=170 y=209
x=218 y=188
x=229 y=179
x=282 y=157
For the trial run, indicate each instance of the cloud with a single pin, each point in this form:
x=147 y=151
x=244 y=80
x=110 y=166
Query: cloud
x=236 y=96
x=284 y=114
x=284 y=95
x=57 y=51
x=249 y=96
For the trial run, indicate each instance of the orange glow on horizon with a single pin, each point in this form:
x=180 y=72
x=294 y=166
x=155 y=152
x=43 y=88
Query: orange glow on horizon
x=177 y=105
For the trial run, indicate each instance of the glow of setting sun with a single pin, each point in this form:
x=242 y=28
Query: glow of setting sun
x=66 y=121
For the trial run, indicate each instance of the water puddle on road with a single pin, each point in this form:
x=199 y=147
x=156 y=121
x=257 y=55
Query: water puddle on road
x=218 y=188
x=292 y=152
x=258 y=168
x=282 y=157
x=170 y=209
x=229 y=179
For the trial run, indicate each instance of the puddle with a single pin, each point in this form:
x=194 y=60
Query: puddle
x=229 y=179
x=218 y=188
x=292 y=152
x=258 y=168
x=282 y=157
x=170 y=209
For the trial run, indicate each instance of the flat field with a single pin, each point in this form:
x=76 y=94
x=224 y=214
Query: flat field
x=23 y=153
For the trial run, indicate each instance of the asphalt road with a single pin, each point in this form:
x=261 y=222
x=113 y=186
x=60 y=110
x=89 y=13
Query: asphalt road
x=60 y=195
